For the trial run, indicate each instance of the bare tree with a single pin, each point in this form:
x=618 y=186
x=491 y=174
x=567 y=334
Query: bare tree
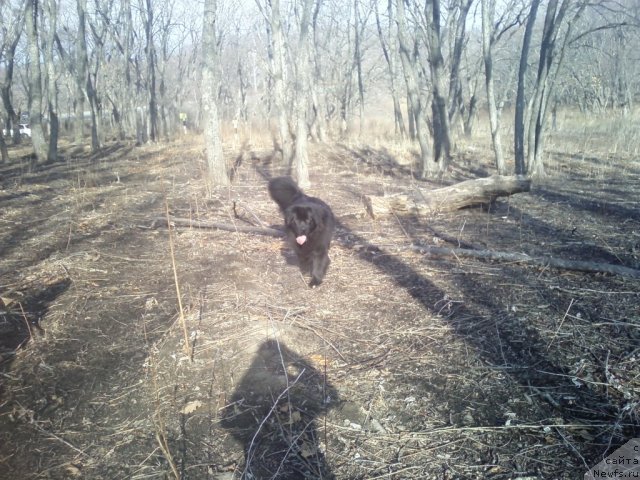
x=302 y=81
x=217 y=167
x=318 y=126
x=492 y=31
x=389 y=51
x=150 y=49
x=51 y=9
x=457 y=105
x=413 y=91
x=84 y=81
x=271 y=13
x=545 y=79
x=518 y=131
x=441 y=129
x=35 y=81
x=358 y=27
x=11 y=32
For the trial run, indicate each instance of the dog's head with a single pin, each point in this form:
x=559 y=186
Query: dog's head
x=301 y=222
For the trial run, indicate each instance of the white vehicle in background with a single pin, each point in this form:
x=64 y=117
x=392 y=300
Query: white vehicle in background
x=25 y=131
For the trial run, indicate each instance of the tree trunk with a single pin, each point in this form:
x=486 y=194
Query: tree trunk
x=11 y=39
x=217 y=168
x=441 y=128
x=35 y=82
x=518 y=131
x=480 y=191
x=80 y=72
x=456 y=105
x=389 y=56
x=546 y=78
x=488 y=9
x=151 y=73
x=357 y=59
x=319 y=124
x=277 y=64
x=413 y=92
x=54 y=124
x=302 y=90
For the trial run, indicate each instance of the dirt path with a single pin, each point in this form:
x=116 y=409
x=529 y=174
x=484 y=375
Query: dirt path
x=396 y=367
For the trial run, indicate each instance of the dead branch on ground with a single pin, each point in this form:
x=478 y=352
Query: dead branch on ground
x=542 y=261
x=478 y=191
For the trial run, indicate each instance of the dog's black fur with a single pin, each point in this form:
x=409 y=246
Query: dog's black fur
x=309 y=218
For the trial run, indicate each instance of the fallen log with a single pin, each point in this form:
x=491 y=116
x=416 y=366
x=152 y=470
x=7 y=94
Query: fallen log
x=190 y=223
x=477 y=191
x=430 y=251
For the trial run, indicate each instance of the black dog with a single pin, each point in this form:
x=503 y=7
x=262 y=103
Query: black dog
x=309 y=223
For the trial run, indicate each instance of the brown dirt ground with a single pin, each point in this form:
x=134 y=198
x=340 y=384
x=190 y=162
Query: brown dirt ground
x=399 y=366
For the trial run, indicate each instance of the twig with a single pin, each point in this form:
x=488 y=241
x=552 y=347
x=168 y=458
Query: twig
x=555 y=334
x=187 y=347
x=164 y=446
x=26 y=321
x=60 y=439
x=185 y=222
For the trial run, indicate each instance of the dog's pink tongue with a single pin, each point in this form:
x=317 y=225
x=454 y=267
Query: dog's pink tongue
x=301 y=239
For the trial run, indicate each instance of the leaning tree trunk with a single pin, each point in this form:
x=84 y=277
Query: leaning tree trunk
x=35 y=83
x=217 y=168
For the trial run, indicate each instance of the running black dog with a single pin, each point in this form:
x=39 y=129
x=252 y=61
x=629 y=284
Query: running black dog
x=309 y=224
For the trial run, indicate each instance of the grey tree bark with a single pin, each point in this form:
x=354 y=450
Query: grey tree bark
x=81 y=68
x=319 y=124
x=413 y=92
x=216 y=165
x=302 y=82
x=488 y=40
x=272 y=15
x=543 y=90
x=51 y=9
x=84 y=82
x=456 y=100
x=441 y=129
x=357 y=60
x=390 y=57
x=35 y=81
x=150 y=49
x=10 y=41
x=518 y=131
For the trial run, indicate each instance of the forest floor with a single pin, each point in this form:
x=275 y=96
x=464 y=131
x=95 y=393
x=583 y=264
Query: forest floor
x=398 y=366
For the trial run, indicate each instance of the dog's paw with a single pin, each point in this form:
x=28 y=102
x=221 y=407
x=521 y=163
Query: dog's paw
x=315 y=282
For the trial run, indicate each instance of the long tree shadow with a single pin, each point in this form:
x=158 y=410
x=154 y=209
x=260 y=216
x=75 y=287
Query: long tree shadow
x=273 y=414
x=500 y=340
